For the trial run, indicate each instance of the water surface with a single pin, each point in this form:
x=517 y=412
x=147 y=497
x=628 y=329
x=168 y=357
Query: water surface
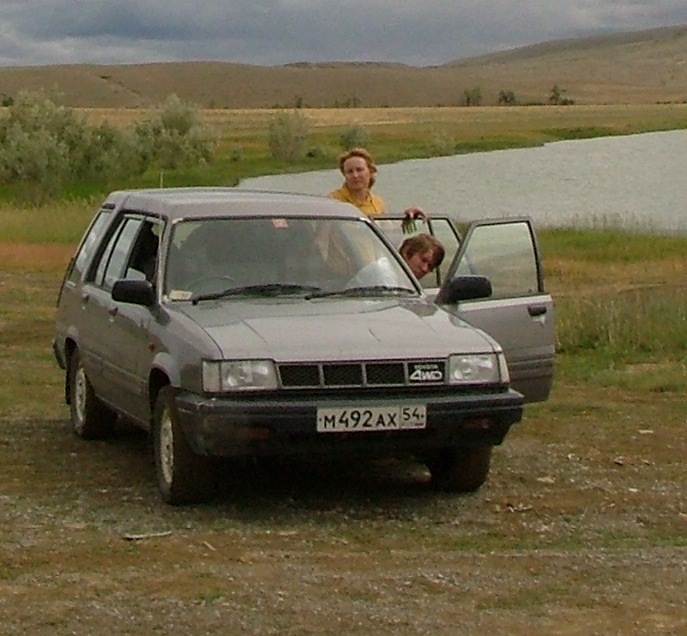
x=634 y=181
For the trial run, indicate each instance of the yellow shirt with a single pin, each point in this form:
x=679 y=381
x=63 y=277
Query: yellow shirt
x=371 y=206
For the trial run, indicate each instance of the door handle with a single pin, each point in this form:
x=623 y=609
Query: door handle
x=536 y=310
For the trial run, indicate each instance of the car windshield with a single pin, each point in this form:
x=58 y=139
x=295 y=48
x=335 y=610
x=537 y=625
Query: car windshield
x=276 y=256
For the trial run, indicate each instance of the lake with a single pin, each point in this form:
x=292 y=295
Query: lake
x=633 y=181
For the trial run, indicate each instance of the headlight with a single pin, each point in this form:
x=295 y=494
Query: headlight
x=238 y=375
x=484 y=368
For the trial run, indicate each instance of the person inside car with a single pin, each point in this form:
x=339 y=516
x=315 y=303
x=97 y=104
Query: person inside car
x=422 y=253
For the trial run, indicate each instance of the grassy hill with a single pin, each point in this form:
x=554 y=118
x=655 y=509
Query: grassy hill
x=644 y=67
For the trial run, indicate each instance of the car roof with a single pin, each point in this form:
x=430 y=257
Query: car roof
x=177 y=203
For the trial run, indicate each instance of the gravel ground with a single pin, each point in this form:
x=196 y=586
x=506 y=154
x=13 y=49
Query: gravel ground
x=580 y=529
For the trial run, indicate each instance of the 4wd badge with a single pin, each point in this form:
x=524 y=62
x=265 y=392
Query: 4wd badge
x=421 y=372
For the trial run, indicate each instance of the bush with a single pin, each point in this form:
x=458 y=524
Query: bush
x=507 y=98
x=288 y=136
x=175 y=138
x=354 y=137
x=473 y=97
x=41 y=146
x=557 y=97
x=44 y=147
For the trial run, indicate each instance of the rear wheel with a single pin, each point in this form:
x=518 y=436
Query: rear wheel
x=460 y=469
x=91 y=419
x=183 y=477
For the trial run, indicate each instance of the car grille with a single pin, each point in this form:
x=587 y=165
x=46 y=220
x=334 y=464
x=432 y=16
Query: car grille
x=356 y=374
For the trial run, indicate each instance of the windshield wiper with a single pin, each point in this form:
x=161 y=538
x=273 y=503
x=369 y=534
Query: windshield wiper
x=272 y=289
x=367 y=290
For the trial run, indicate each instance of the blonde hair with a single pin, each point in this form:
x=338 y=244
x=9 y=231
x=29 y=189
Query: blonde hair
x=363 y=154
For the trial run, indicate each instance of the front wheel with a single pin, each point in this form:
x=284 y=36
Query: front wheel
x=91 y=419
x=460 y=469
x=183 y=477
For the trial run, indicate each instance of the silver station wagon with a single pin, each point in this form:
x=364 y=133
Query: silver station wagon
x=240 y=324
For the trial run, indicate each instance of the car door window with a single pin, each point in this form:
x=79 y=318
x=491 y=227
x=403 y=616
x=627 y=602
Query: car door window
x=142 y=264
x=448 y=236
x=113 y=260
x=504 y=253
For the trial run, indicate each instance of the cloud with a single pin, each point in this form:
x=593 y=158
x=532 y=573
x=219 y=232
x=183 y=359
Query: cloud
x=282 y=31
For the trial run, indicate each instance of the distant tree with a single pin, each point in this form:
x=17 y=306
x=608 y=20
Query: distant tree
x=472 y=97
x=507 y=98
x=350 y=102
x=557 y=97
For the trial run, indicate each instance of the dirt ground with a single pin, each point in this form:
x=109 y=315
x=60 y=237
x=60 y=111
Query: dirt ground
x=581 y=528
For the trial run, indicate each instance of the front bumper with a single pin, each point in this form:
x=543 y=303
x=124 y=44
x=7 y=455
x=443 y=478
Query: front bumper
x=260 y=427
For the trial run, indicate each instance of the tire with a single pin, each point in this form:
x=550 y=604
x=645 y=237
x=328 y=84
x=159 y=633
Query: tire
x=91 y=419
x=183 y=477
x=460 y=469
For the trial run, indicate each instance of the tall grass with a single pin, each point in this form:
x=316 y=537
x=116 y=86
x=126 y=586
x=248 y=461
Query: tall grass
x=627 y=324
x=619 y=294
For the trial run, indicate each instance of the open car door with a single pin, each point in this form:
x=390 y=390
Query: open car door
x=519 y=313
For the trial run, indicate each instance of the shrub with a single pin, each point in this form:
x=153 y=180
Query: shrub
x=354 y=137
x=288 y=136
x=44 y=147
x=507 y=98
x=174 y=138
x=557 y=97
x=472 y=97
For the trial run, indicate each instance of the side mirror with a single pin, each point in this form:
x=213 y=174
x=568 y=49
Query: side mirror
x=136 y=292
x=464 y=288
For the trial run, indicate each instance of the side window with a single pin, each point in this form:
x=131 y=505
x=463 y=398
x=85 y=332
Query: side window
x=143 y=262
x=442 y=230
x=114 y=258
x=506 y=254
x=90 y=243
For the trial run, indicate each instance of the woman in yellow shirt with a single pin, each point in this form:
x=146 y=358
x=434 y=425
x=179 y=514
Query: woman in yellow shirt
x=359 y=171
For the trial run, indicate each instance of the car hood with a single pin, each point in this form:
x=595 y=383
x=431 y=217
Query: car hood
x=335 y=329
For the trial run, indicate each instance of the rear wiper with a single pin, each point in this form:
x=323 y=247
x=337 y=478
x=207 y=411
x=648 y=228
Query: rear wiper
x=368 y=290
x=271 y=289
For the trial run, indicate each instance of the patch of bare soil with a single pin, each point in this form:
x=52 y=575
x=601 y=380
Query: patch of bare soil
x=580 y=529
x=34 y=256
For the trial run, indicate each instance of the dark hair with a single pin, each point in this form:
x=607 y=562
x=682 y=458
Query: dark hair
x=363 y=154
x=422 y=243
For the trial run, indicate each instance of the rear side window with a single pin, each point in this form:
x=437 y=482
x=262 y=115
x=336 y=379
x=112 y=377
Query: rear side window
x=90 y=244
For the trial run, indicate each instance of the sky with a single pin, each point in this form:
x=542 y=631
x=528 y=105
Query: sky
x=273 y=32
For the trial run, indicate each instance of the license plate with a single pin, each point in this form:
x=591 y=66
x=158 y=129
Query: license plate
x=368 y=419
